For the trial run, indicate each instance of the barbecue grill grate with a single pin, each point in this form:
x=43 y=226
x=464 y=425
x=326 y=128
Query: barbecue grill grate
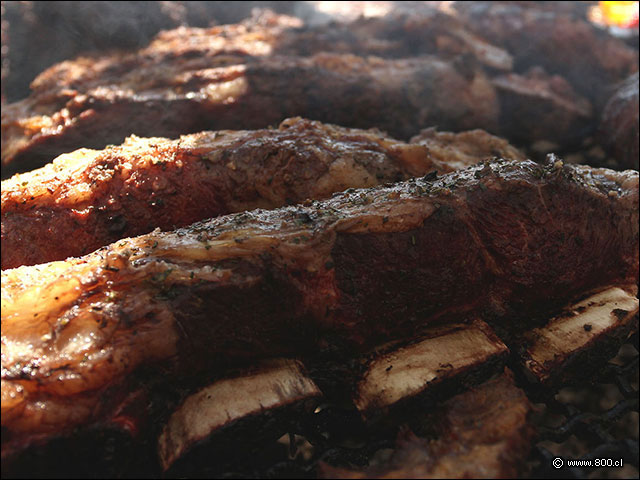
x=591 y=429
x=574 y=423
x=596 y=419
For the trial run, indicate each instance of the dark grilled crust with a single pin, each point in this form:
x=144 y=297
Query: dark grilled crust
x=88 y=199
x=511 y=240
x=239 y=92
x=37 y=35
x=329 y=74
x=620 y=124
x=159 y=183
x=591 y=60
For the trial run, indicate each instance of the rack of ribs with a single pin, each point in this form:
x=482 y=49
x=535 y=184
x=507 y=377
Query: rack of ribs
x=506 y=241
x=394 y=36
x=170 y=90
x=259 y=72
x=87 y=199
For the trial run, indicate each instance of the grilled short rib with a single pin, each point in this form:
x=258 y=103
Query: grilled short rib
x=589 y=58
x=33 y=39
x=371 y=72
x=185 y=82
x=508 y=241
x=88 y=199
x=31 y=44
x=620 y=123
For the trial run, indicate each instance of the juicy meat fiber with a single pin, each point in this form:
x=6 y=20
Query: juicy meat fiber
x=506 y=240
x=88 y=199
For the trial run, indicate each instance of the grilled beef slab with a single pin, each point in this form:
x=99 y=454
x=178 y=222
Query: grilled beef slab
x=88 y=199
x=35 y=35
x=509 y=240
x=541 y=106
x=620 y=124
x=590 y=59
x=189 y=80
x=403 y=32
x=257 y=73
x=32 y=41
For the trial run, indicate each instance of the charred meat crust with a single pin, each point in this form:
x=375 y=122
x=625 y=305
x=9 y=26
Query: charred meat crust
x=70 y=109
x=37 y=35
x=522 y=239
x=88 y=199
x=619 y=128
x=257 y=73
x=591 y=60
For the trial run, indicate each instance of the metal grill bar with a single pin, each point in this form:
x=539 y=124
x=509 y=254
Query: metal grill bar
x=335 y=436
x=594 y=430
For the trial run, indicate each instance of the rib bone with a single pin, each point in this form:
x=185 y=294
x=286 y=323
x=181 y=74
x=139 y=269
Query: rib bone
x=277 y=385
x=597 y=322
x=444 y=354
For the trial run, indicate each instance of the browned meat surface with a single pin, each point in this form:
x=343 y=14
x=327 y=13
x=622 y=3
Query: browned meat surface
x=35 y=35
x=370 y=72
x=38 y=34
x=418 y=30
x=235 y=76
x=507 y=240
x=88 y=199
x=481 y=433
x=619 y=128
x=453 y=151
x=541 y=106
x=590 y=59
x=191 y=80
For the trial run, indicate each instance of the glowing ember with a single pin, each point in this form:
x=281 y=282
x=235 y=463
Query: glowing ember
x=617 y=14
